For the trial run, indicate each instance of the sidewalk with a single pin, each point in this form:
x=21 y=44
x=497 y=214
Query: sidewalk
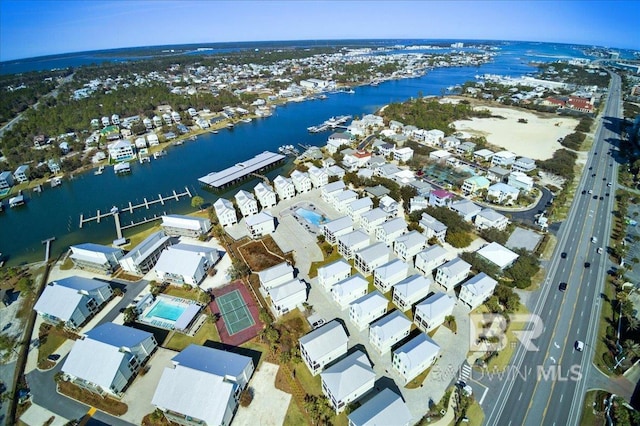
x=449 y=417
x=37 y=415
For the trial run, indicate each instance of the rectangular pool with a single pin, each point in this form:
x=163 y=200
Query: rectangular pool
x=311 y=217
x=166 y=310
x=171 y=313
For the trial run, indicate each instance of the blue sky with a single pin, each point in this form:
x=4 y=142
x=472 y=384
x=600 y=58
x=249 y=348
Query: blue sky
x=36 y=28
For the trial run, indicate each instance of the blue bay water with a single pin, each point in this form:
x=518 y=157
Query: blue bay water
x=55 y=212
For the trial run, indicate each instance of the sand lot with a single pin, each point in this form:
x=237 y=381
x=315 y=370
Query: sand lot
x=537 y=139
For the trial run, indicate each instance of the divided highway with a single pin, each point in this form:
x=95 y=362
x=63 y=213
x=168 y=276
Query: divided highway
x=550 y=383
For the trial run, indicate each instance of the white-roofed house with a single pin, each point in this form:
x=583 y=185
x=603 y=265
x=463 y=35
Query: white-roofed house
x=433 y=228
x=340 y=226
x=358 y=207
x=348 y=290
x=367 y=309
x=482 y=155
x=301 y=181
x=72 y=300
x=319 y=177
x=370 y=220
x=185 y=263
x=524 y=165
x=391 y=230
x=452 y=273
x=246 y=203
x=503 y=159
x=498 y=255
x=475 y=184
x=96 y=257
x=177 y=225
x=409 y=291
x=225 y=212
x=440 y=156
x=497 y=174
x=431 y=312
x=142 y=258
x=466 y=209
x=349 y=244
x=389 y=206
x=369 y=258
x=323 y=345
x=121 y=150
x=408 y=245
x=489 y=218
x=403 y=154
x=415 y=356
x=288 y=296
x=418 y=203
x=386 y=408
x=331 y=189
x=389 y=330
x=265 y=194
x=108 y=358
x=476 y=290
x=521 y=181
x=275 y=276
x=260 y=224
x=284 y=187
x=333 y=273
x=389 y=274
x=348 y=380
x=430 y=258
x=342 y=200
x=336 y=140
x=502 y=193
x=184 y=391
x=336 y=171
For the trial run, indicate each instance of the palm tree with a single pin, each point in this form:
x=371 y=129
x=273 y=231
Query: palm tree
x=633 y=323
x=632 y=348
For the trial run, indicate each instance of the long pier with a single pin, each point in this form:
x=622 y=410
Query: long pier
x=143 y=221
x=47 y=249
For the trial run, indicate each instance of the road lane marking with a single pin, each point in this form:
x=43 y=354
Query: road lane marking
x=556 y=345
x=520 y=397
x=483 y=395
x=561 y=396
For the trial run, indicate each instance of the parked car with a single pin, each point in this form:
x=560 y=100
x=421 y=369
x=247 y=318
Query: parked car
x=53 y=357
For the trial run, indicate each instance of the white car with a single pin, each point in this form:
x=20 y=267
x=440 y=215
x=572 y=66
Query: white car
x=579 y=345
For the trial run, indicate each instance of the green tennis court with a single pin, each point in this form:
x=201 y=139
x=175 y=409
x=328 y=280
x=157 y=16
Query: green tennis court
x=234 y=312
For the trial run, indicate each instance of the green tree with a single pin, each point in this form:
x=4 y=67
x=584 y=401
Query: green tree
x=130 y=314
x=197 y=202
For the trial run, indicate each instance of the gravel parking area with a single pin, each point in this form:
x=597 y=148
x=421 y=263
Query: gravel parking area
x=269 y=405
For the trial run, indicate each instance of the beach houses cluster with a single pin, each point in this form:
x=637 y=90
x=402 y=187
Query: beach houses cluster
x=284 y=292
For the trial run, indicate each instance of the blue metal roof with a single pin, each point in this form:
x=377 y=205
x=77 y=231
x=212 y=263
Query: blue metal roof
x=80 y=283
x=97 y=248
x=118 y=335
x=214 y=361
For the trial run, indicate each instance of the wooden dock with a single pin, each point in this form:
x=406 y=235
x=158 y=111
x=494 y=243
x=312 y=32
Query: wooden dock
x=47 y=249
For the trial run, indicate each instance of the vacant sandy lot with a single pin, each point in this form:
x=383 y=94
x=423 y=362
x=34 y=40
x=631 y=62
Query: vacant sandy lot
x=537 y=139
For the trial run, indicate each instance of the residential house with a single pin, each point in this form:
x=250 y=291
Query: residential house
x=370 y=220
x=415 y=356
x=121 y=150
x=246 y=203
x=475 y=184
x=466 y=209
x=369 y=258
x=390 y=230
x=177 y=225
x=108 y=357
x=153 y=140
x=348 y=290
x=336 y=171
x=432 y=312
x=389 y=206
x=489 y=218
x=524 y=165
x=142 y=258
x=503 y=159
x=441 y=198
x=337 y=140
x=385 y=408
x=502 y=193
x=284 y=187
x=520 y=181
x=333 y=273
x=497 y=174
x=452 y=273
x=372 y=120
x=482 y=155
x=260 y=224
x=403 y=154
x=319 y=177
x=409 y=291
x=440 y=156
x=342 y=200
x=225 y=212
x=450 y=143
x=377 y=191
x=183 y=393
x=499 y=255
x=356 y=208
x=265 y=195
x=340 y=226
x=323 y=345
x=388 y=331
x=301 y=181
x=476 y=290
x=6 y=181
x=21 y=174
x=422 y=187
x=356 y=160
x=389 y=274
x=275 y=276
x=430 y=258
x=331 y=189
x=466 y=148
x=349 y=244
x=53 y=166
x=72 y=301
x=408 y=245
x=96 y=257
x=396 y=126
x=433 y=228
x=367 y=309
x=288 y=296
x=348 y=380
x=418 y=203
x=387 y=171
x=185 y=264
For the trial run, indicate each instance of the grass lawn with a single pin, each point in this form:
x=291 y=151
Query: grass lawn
x=67 y=264
x=180 y=341
x=51 y=342
x=108 y=405
x=417 y=382
x=312 y=385
x=313 y=270
x=254 y=345
x=294 y=416
x=138 y=237
x=186 y=293
x=475 y=414
x=605 y=315
x=589 y=418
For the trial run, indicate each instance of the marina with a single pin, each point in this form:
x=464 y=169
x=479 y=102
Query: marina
x=331 y=123
x=241 y=171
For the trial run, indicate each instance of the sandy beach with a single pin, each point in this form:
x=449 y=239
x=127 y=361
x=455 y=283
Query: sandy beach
x=537 y=139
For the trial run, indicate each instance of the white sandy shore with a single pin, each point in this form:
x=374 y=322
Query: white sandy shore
x=537 y=139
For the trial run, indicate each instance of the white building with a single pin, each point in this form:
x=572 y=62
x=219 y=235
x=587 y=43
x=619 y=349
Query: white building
x=185 y=264
x=432 y=312
x=348 y=380
x=301 y=181
x=225 y=212
x=357 y=208
x=142 y=258
x=502 y=193
x=409 y=291
x=284 y=187
x=334 y=229
x=319 y=177
x=415 y=356
x=275 y=276
x=430 y=258
x=389 y=206
x=288 y=296
x=323 y=345
x=499 y=255
x=260 y=224
x=408 y=245
x=96 y=258
x=348 y=290
x=483 y=155
x=524 y=165
x=343 y=199
x=367 y=309
x=503 y=159
x=329 y=190
x=386 y=408
x=440 y=156
x=476 y=290
x=265 y=195
x=466 y=209
x=369 y=258
x=391 y=230
x=452 y=273
x=388 y=331
x=389 y=274
x=521 y=181
x=489 y=218
x=246 y=203
x=370 y=220
x=177 y=225
x=349 y=244
x=121 y=150
x=433 y=228
x=333 y=273
x=336 y=140
x=403 y=154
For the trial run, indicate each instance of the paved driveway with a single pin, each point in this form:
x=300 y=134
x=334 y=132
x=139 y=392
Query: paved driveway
x=269 y=405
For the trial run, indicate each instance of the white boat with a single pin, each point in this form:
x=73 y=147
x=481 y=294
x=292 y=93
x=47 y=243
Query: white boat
x=16 y=201
x=56 y=181
x=246 y=120
x=99 y=171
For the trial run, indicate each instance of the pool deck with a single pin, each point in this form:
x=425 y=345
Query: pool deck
x=163 y=322
x=291 y=211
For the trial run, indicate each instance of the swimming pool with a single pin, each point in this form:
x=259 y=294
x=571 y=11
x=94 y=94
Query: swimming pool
x=310 y=216
x=167 y=310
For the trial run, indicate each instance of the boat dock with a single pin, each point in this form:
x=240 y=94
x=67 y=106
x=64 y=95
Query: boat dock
x=332 y=123
x=241 y=171
x=47 y=249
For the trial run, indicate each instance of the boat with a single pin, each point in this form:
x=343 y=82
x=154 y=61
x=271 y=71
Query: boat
x=322 y=97
x=180 y=142
x=246 y=120
x=56 y=181
x=159 y=154
x=99 y=171
x=16 y=201
x=122 y=168
x=193 y=137
x=37 y=188
x=230 y=126
x=215 y=132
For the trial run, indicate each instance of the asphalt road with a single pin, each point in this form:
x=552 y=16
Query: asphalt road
x=547 y=386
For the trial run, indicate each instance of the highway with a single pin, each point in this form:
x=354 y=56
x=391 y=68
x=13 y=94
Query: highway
x=550 y=383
